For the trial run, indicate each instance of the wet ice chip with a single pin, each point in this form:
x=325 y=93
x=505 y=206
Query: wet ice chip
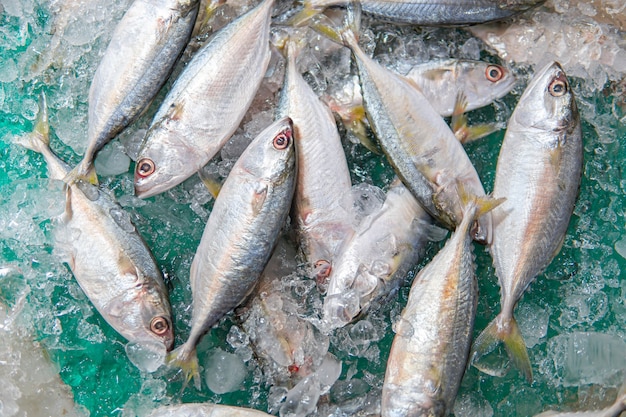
x=620 y=247
x=224 y=372
x=112 y=160
x=533 y=322
x=582 y=358
x=366 y=199
x=328 y=372
x=363 y=333
x=340 y=309
x=472 y=404
x=301 y=399
x=147 y=357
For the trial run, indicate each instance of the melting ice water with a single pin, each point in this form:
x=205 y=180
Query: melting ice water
x=572 y=318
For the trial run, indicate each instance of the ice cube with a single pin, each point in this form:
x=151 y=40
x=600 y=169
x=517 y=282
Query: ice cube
x=224 y=371
x=112 y=160
x=301 y=399
x=472 y=404
x=581 y=358
x=146 y=357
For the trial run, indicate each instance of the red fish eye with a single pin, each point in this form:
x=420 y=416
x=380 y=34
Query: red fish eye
x=494 y=73
x=145 y=167
x=282 y=140
x=159 y=326
x=558 y=86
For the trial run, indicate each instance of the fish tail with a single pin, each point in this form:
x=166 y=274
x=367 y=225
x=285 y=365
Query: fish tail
x=347 y=34
x=308 y=12
x=85 y=170
x=187 y=360
x=481 y=204
x=507 y=332
x=39 y=139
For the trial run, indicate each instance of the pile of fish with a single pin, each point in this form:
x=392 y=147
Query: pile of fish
x=296 y=169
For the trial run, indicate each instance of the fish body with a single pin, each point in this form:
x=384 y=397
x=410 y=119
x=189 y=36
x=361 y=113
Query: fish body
x=538 y=171
x=146 y=44
x=433 y=335
x=432 y=12
x=109 y=259
x=319 y=214
x=446 y=12
x=479 y=82
x=205 y=410
x=241 y=232
x=418 y=143
x=206 y=103
x=373 y=262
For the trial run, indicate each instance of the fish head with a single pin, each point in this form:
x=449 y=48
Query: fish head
x=156 y=326
x=487 y=81
x=549 y=103
x=275 y=153
x=164 y=161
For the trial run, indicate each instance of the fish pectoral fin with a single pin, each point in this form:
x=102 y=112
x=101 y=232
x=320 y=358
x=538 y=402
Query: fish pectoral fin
x=212 y=184
x=258 y=200
x=459 y=125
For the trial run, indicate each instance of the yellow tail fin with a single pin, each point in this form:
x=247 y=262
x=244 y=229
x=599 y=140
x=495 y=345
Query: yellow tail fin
x=508 y=333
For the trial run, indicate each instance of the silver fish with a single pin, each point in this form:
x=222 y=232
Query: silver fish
x=242 y=229
x=138 y=60
x=320 y=216
x=479 y=82
x=418 y=143
x=205 y=410
x=538 y=172
x=433 y=335
x=430 y=12
x=373 y=262
x=107 y=255
x=206 y=103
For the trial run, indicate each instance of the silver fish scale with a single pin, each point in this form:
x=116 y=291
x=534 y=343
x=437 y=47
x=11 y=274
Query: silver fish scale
x=241 y=231
x=131 y=73
x=429 y=352
x=388 y=138
x=430 y=12
x=323 y=179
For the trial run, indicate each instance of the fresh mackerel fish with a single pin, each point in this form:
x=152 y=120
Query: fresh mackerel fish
x=145 y=46
x=321 y=218
x=206 y=103
x=538 y=172
x=429 y=352
x=372 y=264
x=430 y=12
x=479 y=82
x=240 y=234
x=420 y=146
x=107 y=255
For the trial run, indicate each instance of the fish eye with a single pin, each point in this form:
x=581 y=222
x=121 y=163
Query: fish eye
x=558 y=87
x=145 y=167
x=494 y=73
x=159 y=325
x=282 y=140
